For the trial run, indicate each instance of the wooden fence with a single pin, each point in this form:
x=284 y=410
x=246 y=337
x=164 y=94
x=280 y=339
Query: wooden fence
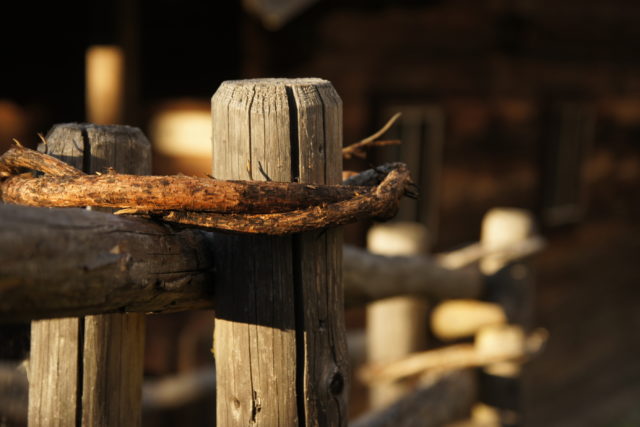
x=87 y=278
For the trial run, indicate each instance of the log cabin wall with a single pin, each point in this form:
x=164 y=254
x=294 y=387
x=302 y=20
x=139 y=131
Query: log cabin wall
x=519 y=83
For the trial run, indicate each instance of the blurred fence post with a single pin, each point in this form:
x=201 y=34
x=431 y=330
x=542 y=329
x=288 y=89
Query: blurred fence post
x=396 y=327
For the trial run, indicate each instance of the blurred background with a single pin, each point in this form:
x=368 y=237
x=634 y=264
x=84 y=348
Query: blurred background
x=532 y=104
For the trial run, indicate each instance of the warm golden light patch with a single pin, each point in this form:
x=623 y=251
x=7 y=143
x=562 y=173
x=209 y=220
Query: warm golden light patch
x=105 y=84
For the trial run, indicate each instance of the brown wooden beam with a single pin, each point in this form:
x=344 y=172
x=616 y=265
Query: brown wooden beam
x=72 y=262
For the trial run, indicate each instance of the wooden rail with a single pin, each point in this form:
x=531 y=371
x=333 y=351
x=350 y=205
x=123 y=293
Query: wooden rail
x=72 y=262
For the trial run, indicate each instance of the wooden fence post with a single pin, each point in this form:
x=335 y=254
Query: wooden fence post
x=396 y=327
x=511 y=287
x=279 y=340
x=89 y=370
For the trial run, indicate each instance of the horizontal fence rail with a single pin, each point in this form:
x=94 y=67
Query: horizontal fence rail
x=71 y=262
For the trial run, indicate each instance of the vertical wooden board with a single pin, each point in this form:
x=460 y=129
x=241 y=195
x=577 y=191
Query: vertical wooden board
x=123 y=148
x=270 y=134
x=396 y=327
x=109 y=369
x=325 y=353
x=254 y=336
x=332 y=111
x=114 y=344
x=311 y=138
x=276 y=364
x=55 y=362
x=67 y=142
x=220 y=125
x=240 y=135
x=113 y=367
x=53 y=373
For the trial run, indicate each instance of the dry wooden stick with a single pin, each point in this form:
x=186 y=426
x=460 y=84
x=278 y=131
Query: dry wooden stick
x=357 y=149
x=453 y=357
x=249 y=207
x=19 y=157
x=170 y=193
x=381 y=204
x=69 y=187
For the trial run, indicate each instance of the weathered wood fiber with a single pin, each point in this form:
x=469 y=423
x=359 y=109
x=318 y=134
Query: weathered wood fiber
x=380 y=204
x=279 y=337
x=108 y=350
x=54 y=369
x=73 y=262
x=259 y=207
x=170 y=192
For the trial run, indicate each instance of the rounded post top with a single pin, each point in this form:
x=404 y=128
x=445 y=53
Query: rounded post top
x=271 y=81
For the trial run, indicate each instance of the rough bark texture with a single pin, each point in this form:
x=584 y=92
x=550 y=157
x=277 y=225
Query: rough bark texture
x=447 y=399
x=279 y=336
x=261 y=207
x=19 y=157
x=74 y=262
x=109 y=371
x=170 y=193
x=380 y=204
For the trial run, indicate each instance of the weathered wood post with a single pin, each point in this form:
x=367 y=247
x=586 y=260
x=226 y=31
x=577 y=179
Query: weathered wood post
x=279 y=340
x=89 y=370
x=512 y=287
x=396 y=327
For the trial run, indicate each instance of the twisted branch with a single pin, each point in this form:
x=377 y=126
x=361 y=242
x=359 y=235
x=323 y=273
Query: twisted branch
x=237 y=206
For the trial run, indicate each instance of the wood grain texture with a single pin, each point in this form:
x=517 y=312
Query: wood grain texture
x=325 y=357
x=74 y=262
x=92 y=263
x=279 y=339
x=54 y=368
x=254 y=337
x=109 y=371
